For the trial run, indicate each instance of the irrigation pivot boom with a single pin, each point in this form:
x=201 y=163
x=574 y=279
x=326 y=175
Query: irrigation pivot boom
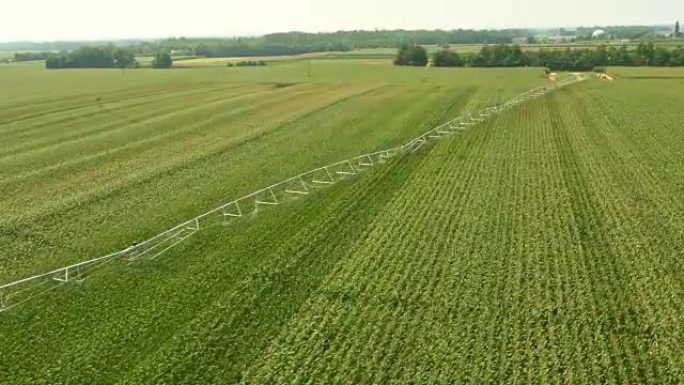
x=15 y=293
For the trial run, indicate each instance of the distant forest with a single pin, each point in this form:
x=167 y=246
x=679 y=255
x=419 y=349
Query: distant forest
x=107 y=56
x=583 y=59
x=290 y=43
x=298 y=42
x=122 y=54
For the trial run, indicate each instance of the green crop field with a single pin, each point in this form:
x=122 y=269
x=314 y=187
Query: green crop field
x=94 y=159
x=542 y=245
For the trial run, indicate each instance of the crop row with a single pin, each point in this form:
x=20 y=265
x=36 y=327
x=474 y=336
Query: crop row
x=104 y=200
x=514 y=256
x=19 y=292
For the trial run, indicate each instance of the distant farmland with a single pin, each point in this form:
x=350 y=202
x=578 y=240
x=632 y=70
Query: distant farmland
x=540 y=246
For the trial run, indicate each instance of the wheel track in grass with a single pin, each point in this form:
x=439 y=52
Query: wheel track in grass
x=309 y=250
x=533 y=228
x=646 y=202
x=200 y=269
x=326 y=317
x=625 y=366
x=430 y=252
x=633 y=145
x=297 y=240
x=614 y=293
x=574 y=182
x=650 y=220
x=46 y=120
x=88 y=103
x=466 y=197
x=640 y=124
x=541 y=358
x=103 y=121
x=663 y=198
x=119 y=95
x=106 y=133
x=553 y=293
x=625 y=219
x=568 y=283
x=138 y=180
x=351 y=279
x=148 y=140
x=517 y=147
x=206 y=158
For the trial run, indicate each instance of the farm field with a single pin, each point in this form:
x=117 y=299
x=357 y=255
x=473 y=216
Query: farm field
x=540 y=246
x=92 y=160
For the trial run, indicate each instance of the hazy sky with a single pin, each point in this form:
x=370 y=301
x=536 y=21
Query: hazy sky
x=98 y=19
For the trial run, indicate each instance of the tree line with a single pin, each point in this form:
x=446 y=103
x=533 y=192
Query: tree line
x=292 y=43
x=247 y=63
x=349 y=39
x=30 y=56
x=583 y=59
x=106 y=56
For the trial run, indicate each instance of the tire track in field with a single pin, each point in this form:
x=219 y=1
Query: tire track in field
x=63 y=211
x=652 y=194
x=148 y=143
x=103 y=119
x=587 y=237
x=118 y=96
x=633 y=168
x=562 y=267
x=311 y=250
x=358 y=316
x=148 y=138
x=324 y=317
x=362 y=272
x=644 y=160
x=640 y=248
x=613 y=289
x=109 y=126
x=204 y=293
x=572 y=282
x=373 y=306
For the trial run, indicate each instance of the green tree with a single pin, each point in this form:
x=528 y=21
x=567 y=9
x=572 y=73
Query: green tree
x=645 y=52
x=623 y=58
x=123 y=58
x=601 y=56
x=447 y=58
x=106 y=56
x=162 y=60
x=661 y=57
x=411 y=55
